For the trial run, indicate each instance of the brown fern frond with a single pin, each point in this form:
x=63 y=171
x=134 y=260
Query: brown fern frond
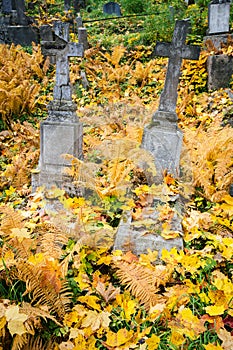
x=50 y=240
x=140 y=281
x=42 y=290
x=35 y=312
x=10 y=219
x=82 y=172
x=211 y=155
x=31 y=342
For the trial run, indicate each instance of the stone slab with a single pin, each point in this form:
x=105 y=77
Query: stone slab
x=220 y=71
x=23 y=35
x=58 y=138
x=218 y=18
x=165 y=145
x=52 y=180
x=137 y=238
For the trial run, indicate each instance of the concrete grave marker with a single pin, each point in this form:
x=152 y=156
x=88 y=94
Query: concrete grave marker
x=112 y=8
x=162 y=137
x=218 y=17
x=62 y=132
x=77 y=5
x=15 y=26
x=219 y=67
x=6 y=6
x=220 y=71
x=164 y=140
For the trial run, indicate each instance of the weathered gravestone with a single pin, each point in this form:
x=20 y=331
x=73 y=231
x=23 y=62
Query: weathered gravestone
x=112 y=8
x=77 y=5
x=219 y=67
x=15 y=25
x=6 y=7
x=218 y=17
x=164 y=140
x=163 y=137
x=62 y=132
x=220 y=71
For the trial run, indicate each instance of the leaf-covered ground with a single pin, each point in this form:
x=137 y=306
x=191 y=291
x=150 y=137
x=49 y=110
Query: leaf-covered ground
x=62 y=286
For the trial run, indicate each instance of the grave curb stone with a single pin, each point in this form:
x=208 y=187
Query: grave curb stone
x=130 y=237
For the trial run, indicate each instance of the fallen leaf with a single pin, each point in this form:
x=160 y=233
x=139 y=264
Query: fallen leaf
x=119 y=338
x=227 y=339
x=15 y=320
x=109 y=293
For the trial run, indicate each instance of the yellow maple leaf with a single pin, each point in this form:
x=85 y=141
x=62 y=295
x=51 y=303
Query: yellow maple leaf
x=177 y=338
x=215 y=310
x=128 y=306
x=15 y=320
x=105 y=260
x=36 y=259
x=153 y=342
x=213 y=347
x=20 y=233
x=96 y=320
x=10 y=191
x=91 y=301
x=119 y=338
x=71 y=317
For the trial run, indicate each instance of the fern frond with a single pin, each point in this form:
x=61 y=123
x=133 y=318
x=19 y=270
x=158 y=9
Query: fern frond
x=11 y=219
x=211 y=155
x=82 y=172
x=140 y=281
x=42 y=291
x=35 y=312
x=51 y=240
x=31 y=342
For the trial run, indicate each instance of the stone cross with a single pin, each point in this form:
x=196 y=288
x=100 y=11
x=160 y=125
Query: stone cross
x=61 y=133
x=63 y=50
x=177 y=50
x=162 y=137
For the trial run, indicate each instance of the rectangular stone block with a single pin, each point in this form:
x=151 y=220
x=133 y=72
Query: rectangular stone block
x=58 y=138
x=220 y=70
x=23 y=35
x=218 y=18
x=165 y=145
x=131 y=236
